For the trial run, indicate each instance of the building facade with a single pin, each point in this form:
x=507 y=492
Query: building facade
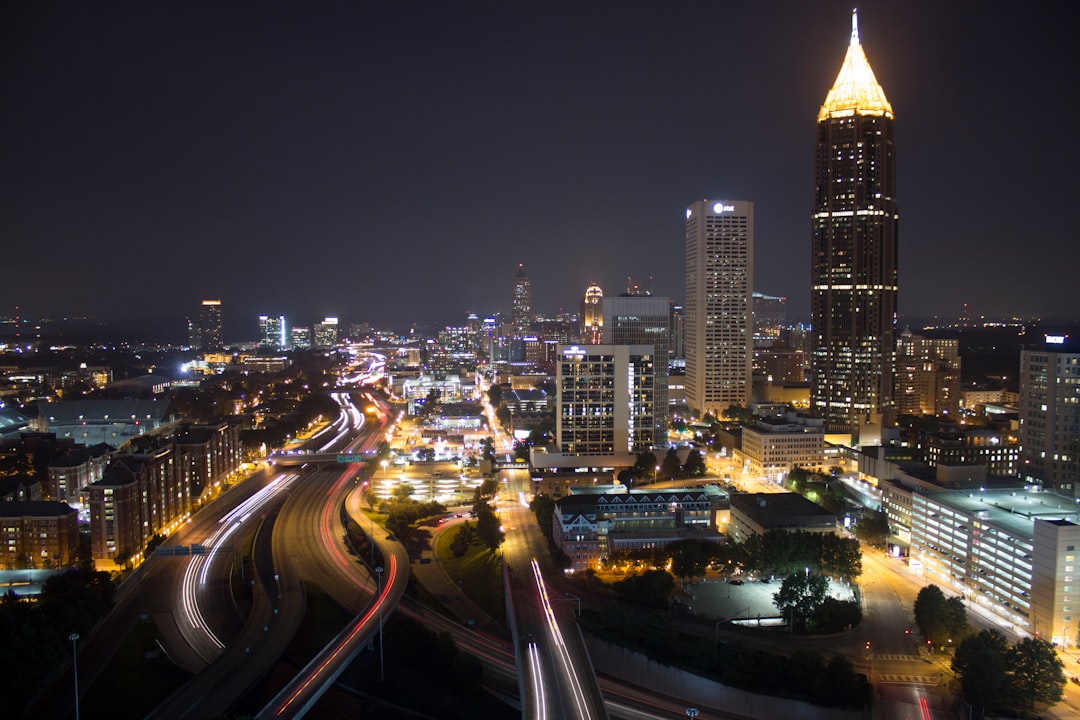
x=326 y=334
x=773 y=446
x=522 y=304
x=38 y=533
x=770 y=315
x=273 y=332
x=591 y=527
x=606 y=399
x=644 y=320
x=854 y=251
x=204 y=333
x=1050 y=414
x=927 y=375
x=719 y=314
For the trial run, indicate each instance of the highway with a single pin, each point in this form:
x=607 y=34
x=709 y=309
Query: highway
x=228 y=663
x=557 y=677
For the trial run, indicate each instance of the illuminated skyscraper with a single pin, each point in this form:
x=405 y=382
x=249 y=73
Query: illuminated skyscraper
x=592 y=315
x=719 y=284
x=204 y=333
x=522 y=314
x=853 y=264
x=272 y=332
x=326 y=333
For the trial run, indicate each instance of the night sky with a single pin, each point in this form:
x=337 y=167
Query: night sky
x=395 y=161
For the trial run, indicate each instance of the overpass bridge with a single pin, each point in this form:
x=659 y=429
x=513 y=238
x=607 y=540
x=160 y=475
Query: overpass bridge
x=301 y=457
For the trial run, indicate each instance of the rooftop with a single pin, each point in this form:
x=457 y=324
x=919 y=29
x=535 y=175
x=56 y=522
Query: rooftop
x=856 y=90
x=1014 y=511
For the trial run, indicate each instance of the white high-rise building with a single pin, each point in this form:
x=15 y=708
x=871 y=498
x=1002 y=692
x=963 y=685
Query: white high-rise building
x=1050 y=414
x=719 y=311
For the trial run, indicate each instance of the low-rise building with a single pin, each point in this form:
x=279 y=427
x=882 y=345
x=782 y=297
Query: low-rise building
x=756 y=514
x=774 y=445
x=590 y=527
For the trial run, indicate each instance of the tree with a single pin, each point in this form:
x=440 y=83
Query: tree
x=460 y=544
x=671 y=465
x=930 y=614
x=801 y=594
x=695 y=464
x=1037 y=673
x=873 y=529
x=487 y=449
x=645 y=464
x=650 y=588
x=688 y=558
x=797 y=478
x=543 y=507
x=487 y=525
x=981 y=664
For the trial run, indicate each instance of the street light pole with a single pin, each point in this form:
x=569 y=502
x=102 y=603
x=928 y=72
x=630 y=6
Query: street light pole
x=378 y=599
x=74 y=637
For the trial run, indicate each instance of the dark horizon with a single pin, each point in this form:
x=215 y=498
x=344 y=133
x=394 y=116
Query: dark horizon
x=395 y=163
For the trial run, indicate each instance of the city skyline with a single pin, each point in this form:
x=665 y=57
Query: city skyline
x=282 y=160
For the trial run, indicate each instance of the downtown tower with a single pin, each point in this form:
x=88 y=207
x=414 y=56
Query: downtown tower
x=853 y=267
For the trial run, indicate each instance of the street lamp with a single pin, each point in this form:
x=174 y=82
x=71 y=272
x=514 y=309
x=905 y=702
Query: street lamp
x=74 y=637
x=378 y=599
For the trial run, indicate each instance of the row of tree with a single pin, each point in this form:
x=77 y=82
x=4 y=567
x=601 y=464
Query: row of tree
x=993 y=674
x=777 y=552
x=647 y=467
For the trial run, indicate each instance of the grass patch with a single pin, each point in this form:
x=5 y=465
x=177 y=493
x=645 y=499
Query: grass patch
x=139 y=675
x=478 y=572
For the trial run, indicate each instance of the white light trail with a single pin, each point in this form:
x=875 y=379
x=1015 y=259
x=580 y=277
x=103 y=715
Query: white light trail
x=560 y=646
x=198 y=569
x=537 y=676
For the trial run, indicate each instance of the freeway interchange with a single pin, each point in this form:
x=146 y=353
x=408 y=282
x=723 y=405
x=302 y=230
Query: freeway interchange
x=293 y=516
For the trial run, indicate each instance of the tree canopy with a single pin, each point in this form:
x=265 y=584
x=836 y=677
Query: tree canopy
x=800 y=595
x=939 y=618
x=995 y=676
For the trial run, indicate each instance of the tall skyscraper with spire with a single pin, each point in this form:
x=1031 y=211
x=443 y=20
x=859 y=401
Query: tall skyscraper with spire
x=522 y=308
x=853 y=268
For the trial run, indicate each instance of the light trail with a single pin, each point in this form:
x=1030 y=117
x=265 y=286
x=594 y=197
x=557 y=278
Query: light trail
x=343 y=643
x=537 y=675
x=198 y=570
x=560 y=645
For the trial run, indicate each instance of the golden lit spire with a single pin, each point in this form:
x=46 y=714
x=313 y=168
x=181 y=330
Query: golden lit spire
x=856 y=90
